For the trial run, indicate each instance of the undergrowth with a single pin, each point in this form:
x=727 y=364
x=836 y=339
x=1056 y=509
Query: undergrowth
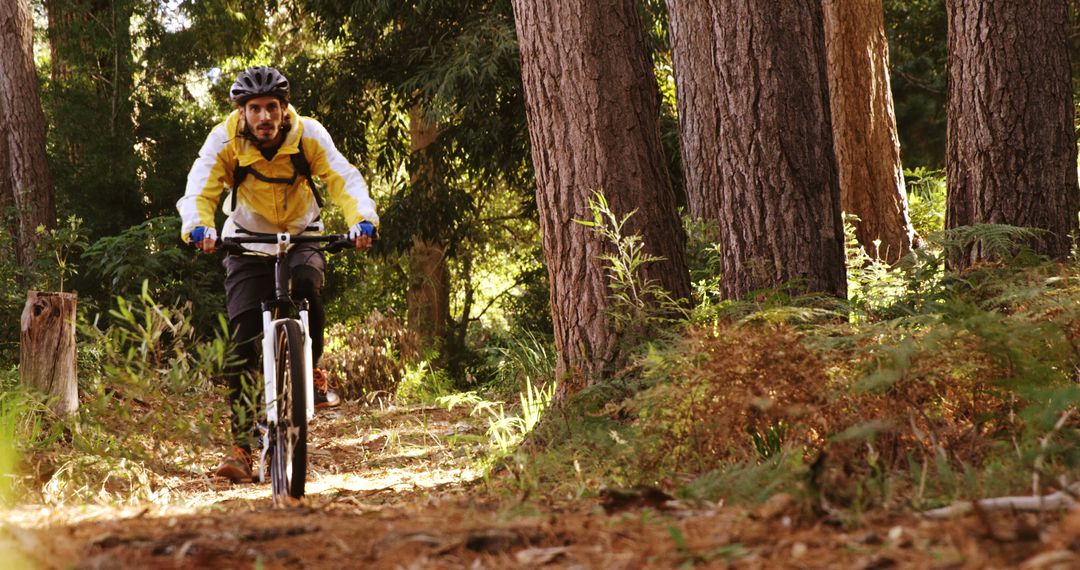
x=924 y=387
x=525 y=375
x=370 y=359
x=149 y=408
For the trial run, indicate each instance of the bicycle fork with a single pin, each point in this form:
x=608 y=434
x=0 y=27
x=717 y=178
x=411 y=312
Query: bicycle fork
x=309 y=364
x=270 y=387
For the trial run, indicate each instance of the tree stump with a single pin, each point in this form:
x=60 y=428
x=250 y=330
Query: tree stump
x=47 y=348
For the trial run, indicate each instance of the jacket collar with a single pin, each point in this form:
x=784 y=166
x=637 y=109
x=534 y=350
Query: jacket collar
x=247 y=153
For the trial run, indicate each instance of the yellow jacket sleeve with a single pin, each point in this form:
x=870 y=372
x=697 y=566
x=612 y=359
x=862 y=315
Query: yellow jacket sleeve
x=344 y=183
x=207 y=180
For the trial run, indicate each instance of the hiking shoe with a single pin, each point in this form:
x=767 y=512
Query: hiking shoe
x=236 y=467
x=326 y=395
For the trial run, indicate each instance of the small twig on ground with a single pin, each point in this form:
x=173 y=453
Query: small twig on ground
x=1038 y=504
x=922 y=477
x=373 y=492
x=937 y=447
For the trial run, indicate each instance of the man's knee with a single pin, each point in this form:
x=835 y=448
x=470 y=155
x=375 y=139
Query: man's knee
x=307 y=282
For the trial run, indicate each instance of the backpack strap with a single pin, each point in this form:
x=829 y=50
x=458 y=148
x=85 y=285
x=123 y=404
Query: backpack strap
x=301 y=167
x=239 y=174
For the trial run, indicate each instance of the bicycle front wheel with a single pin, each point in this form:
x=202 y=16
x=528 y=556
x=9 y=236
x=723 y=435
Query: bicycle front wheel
x=288 y=464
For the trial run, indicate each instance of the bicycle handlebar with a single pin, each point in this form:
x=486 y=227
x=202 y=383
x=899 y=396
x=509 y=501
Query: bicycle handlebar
x=235 y=244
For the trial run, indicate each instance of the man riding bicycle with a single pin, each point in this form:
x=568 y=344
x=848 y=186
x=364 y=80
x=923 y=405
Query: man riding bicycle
x=266 y=154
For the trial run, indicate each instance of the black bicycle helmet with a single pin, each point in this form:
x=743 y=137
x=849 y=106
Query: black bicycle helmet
x=259 y=82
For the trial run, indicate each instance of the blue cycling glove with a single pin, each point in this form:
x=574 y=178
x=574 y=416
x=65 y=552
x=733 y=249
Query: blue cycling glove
x=362 y=229
x=201 y=233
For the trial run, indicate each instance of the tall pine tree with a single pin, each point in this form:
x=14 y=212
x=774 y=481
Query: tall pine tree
x=593 y=107
x=25 y=180
x=864 y=127
x=1011 y=155
x=764 y=119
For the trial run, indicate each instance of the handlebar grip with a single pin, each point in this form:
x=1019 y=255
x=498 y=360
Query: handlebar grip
x=228 y=246
x=339 y=245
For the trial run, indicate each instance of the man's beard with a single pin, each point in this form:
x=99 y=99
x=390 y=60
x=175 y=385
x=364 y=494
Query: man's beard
x=252 y=133
x=266 y=134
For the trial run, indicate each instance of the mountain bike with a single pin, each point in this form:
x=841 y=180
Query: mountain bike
x=288 y=389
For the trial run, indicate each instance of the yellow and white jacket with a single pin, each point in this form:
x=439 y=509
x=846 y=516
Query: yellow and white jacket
x=269 y=207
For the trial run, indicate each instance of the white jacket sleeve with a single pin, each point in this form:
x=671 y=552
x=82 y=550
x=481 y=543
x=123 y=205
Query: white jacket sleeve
x=343 y=181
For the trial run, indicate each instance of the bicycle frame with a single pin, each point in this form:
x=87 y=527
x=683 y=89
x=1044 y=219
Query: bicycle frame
x=269 y=348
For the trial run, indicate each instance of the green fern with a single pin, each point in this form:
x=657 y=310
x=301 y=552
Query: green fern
x=1006 y=243
x=639 y=306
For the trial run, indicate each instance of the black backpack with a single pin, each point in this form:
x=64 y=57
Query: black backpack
x=301 y=167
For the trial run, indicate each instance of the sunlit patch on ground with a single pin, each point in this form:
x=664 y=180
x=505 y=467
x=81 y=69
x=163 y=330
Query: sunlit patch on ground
x=381 y=456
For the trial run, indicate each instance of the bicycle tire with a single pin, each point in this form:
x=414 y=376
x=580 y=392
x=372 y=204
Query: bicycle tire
x=288 y=470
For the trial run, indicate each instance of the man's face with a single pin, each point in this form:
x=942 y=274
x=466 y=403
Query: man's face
x=263 y=116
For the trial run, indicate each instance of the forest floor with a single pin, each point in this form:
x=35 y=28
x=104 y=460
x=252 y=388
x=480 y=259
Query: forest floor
x=399 y=488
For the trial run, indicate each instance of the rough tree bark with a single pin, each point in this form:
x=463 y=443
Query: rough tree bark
x=694 y=45
x=6 y=196
x=776 y=196
x=1011 y=147
x=864 y=127
x=592 y=106
x=47 y=349
x=29 y=184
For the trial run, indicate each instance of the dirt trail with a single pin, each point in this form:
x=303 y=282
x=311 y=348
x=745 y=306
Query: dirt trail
x=398 y=489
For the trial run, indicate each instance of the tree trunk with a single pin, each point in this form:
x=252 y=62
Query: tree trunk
x=864 y=127
x=1011 y=156
x=428 y=296
x=776 y=198
x=593 y=110
x=9 y=223
x=29 y=184
x=693 y=47
x=47 y=348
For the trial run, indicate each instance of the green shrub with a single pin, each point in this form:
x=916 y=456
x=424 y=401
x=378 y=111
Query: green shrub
x=703 y=250
x=151 y=252
x=926 y=199
x=421 y=384
x=54 y=262
x=506 y=430
x=518 y=359
x=24 y=429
